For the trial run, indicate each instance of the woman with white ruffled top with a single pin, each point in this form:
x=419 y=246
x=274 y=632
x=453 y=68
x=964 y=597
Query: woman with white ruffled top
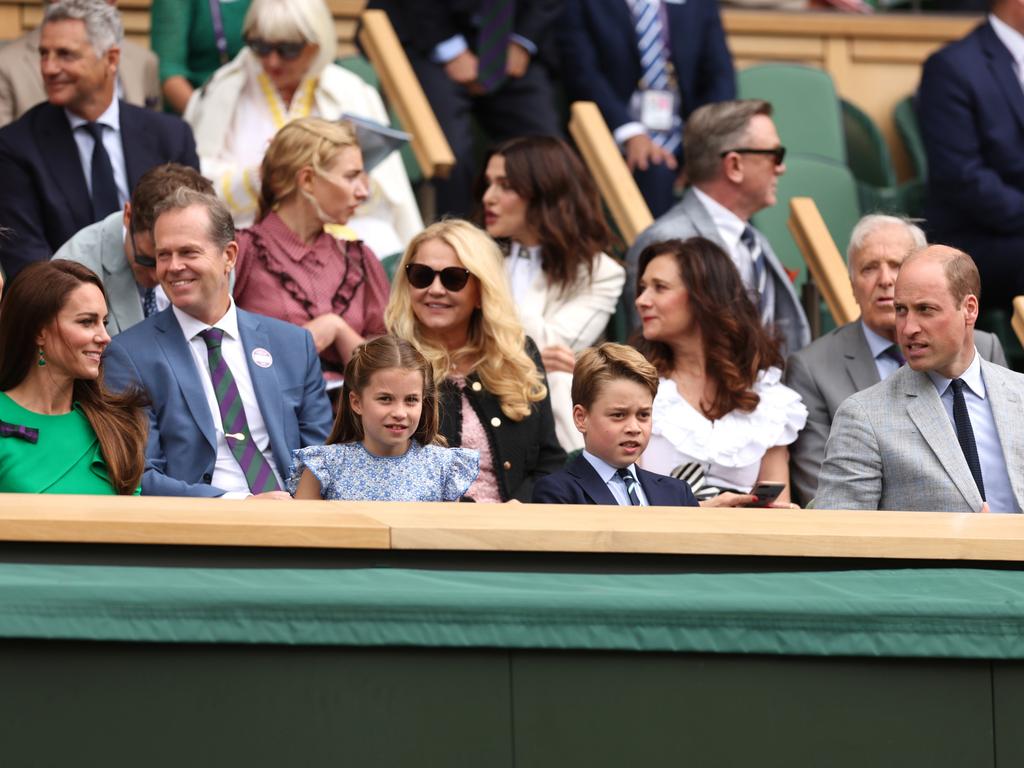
x=722 y=419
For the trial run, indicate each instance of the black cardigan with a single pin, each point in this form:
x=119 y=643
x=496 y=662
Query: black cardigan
x=522 y=450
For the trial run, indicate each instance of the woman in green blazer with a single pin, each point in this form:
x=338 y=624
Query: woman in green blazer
x=60 y=430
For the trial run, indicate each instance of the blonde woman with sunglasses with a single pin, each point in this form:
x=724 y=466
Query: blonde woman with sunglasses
x=450 y=298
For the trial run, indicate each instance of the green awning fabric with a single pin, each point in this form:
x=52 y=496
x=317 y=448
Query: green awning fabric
x=964 y=613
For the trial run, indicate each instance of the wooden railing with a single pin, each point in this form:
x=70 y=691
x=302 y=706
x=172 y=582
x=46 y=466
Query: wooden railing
x=511 y=528
x=1018 y=317
x=824 y=262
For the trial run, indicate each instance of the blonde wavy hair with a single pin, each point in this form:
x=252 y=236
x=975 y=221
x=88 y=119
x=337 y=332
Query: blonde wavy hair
x=310 y=141
x=495 y=350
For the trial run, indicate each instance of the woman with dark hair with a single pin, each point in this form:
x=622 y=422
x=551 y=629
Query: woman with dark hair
x=540 y=201
x=722 y=418
x=60 y=430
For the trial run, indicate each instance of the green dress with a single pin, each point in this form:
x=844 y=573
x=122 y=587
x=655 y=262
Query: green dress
x=65 y=459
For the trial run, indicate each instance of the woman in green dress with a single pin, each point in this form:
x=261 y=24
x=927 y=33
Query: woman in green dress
x=60 y=430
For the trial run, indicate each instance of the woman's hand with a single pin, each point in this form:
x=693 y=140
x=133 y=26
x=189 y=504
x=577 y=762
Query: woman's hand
x=558 y=357
x=324 y=330
x=729 y=499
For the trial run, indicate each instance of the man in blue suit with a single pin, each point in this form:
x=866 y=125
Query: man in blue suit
x=613 y=390
x=233 y=393
x=57 y=178
x=971 y=111
x=647 y=64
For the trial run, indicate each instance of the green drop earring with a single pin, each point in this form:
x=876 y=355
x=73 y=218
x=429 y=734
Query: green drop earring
x=42 y=358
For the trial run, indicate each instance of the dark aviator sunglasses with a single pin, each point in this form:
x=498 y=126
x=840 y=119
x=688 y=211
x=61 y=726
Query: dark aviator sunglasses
x=287 y=51
x=778 y=153
x=453 y=279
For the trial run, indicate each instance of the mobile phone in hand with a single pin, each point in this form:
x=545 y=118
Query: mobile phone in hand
x=766 y=493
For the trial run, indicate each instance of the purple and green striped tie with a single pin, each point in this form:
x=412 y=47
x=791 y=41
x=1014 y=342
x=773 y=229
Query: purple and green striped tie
x=496 y=18
x=258 y=472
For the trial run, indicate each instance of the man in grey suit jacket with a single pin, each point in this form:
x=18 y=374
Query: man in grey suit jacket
x=120 y=247
x=21 y=84
x=859 y=354
x=733 y=161
x=232 y=394
x=946 y=431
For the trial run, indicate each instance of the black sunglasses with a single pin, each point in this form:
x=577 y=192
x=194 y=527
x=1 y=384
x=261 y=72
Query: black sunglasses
x=287 y=51
x=142 y=259
x=778 y=153
x=454 y=279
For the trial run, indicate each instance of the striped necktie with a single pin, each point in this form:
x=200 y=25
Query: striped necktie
x=258 y=472
x=759 y=273
x=630 y=482
x=496 y=18
x=650 y=36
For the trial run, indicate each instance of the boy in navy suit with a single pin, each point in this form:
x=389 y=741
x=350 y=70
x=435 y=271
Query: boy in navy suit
x=613 y=390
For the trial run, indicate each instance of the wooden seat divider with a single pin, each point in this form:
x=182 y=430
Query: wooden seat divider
x=825 y=263
x=1018 y=317
x=603 y=158
x=400 y=85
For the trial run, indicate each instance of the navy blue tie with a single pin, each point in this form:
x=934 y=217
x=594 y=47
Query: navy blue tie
x=104 y=190
x=149 y=302
x=965 y=434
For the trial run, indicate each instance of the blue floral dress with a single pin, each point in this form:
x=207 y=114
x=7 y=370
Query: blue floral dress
x=348 y=472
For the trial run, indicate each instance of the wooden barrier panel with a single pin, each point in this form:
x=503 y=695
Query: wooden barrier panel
x=605 y=161
x=403 y=90
x=536 y=528
x=825 y=263
x=1018 y=317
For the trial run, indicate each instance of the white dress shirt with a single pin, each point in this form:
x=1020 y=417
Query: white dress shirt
x=228 y=472
x=615 y=483
x=522 y=265
x=111 y=122
x=994 y=475
x=1014 y=42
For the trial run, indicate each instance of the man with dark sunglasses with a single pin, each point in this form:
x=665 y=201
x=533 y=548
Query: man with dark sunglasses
x=733 y=161
x=119 y=248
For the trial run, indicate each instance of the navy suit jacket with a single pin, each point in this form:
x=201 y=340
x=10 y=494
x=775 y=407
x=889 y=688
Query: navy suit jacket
x=44 y=197
x=601 y=62
x=579 y=483
x=182 y=448
x=971 y=113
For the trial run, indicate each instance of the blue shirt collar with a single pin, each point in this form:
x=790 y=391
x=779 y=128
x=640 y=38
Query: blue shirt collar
x=971 y=377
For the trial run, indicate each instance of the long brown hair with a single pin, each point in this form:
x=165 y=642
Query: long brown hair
x=562 y=205
x=378 y=355
x=33 y=300
x=736 y=344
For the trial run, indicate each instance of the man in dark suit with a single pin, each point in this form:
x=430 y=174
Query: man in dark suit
x=971 y=111
x=613 y=390
x=860 y=354
x=483 y=59
x=233 y=393
x=57 y=177
x=612 y=48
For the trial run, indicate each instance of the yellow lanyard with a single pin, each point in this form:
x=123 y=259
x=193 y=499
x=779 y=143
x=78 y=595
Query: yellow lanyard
x=300 y=107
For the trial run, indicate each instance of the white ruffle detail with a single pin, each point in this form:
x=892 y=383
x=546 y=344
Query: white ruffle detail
x=737 y=439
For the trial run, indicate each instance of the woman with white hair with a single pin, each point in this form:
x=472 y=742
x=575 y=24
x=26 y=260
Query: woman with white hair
x=286 y=71
x=451 y=299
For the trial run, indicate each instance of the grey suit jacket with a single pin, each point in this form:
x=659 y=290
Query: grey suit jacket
x=21 y=83
x=100 y=247
x=826 y=373
x=689 y=218
x=892 y=446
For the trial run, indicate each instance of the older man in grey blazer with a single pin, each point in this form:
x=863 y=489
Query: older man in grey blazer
x=946 y=431
x=733 y=160
x=857 y=355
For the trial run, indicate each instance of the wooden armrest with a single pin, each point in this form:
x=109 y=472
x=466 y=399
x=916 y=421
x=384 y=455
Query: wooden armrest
x=824 y=261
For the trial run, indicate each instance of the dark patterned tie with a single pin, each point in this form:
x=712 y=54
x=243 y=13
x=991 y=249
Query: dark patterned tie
x=258 y=472
x=149 y=302
x=965 y=434
x=893 y=353
x=627 y=477
x=104 y=190
x=496 y=18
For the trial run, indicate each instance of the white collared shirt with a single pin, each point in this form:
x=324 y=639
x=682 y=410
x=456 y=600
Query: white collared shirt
x=111 y=122
x=616 y=484
x=994 y=475
x=522 y=265
x=884 y=364
x=730 y=228
x=228 y=472
x=1014 y=42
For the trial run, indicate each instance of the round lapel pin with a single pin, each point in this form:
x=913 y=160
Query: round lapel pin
x=262 y=357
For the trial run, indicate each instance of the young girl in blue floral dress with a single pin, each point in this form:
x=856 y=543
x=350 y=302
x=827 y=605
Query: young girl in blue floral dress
x=384 y=445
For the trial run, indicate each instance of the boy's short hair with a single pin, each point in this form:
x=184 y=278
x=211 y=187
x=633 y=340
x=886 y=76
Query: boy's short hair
x=606 y=362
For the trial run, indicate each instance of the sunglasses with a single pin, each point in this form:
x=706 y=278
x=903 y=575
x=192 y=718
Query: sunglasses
x=287 y=51
x=142 y=259
x=778 y=153
x=453 y=279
